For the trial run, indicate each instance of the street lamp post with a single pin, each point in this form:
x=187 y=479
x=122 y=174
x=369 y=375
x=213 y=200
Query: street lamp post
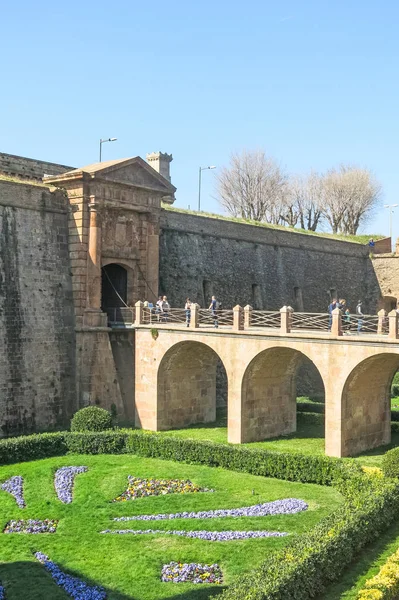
x=103 y=142
x=390 y=206
x=199 y=183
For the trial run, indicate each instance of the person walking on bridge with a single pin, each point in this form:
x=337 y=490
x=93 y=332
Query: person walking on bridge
x=187 y=308
x=331 y=307
x=360 y=316
x=213 y=307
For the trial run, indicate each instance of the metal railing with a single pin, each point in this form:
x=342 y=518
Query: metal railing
x=265 y=318
x=311 y=321
x=208 y=318
x=353 y=324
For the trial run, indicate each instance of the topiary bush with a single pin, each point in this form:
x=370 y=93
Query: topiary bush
x=91 y=418
x=390 y=463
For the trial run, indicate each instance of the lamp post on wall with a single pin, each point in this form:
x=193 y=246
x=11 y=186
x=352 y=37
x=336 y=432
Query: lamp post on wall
x=103 y=142
x=199 y=183
x=390 y=206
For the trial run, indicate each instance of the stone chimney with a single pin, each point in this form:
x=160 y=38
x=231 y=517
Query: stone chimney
x=160 y=161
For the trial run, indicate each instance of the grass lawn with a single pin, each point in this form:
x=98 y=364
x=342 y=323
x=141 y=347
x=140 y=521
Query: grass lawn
x=308 y=439
x=129 y=566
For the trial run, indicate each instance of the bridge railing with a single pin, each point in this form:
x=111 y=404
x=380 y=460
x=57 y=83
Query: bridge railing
x=311 y=321
x=223 y=317
x=264 y=318
x=284 y=321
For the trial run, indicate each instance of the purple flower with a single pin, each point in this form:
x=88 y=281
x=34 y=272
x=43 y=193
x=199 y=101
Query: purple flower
x=14 y=486
x=289 y=506
x=31 y=526
x=210 y=536
x=193 y=572
x=63 y=482
x=2 y=593
x=74 y=587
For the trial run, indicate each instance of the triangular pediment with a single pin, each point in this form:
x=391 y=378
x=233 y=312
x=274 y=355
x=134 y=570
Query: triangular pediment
x=129 y=171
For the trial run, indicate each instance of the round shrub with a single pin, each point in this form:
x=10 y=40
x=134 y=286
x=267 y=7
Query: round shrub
x=390 y=463
x=91 y=418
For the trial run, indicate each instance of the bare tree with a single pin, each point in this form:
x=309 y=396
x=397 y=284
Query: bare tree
x=306 y=193
x=349 y=196
x=252 y=186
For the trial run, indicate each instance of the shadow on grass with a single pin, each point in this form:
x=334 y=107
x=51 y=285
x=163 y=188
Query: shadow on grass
x=355 y=574
x=30 y=581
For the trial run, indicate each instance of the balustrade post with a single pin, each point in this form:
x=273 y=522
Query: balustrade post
x=247 y=316
x=381 y=318
x=194 y=316
x=238 y=323
x=393 y=325
x=286 y=319
x=139 y=317
x=336 y=327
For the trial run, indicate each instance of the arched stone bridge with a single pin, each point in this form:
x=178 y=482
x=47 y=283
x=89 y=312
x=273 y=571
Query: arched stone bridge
x=176 y=379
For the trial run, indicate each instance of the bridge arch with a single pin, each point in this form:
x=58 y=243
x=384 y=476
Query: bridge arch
x=268 y=393
x=366 y=404
x=186 y=385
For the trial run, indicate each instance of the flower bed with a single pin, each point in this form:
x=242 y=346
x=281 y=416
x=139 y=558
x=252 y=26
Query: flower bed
x=74 y=587
x=141 y=488
x=14 y=486
x=31 y=526
x=209 y=536
x=289 y=506
x=192 y=572
x=63 y=482
x=385 y=585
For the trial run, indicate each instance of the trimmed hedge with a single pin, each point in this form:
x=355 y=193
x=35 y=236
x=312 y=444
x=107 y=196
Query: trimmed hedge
x=390 y=463
x=289 y=466
x=31 y=447
x=385 y=585
x=304 y=567
x=310 y=407
x=91 y=418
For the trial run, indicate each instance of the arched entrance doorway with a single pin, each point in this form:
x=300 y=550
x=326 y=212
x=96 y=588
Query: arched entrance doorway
x=113 y=287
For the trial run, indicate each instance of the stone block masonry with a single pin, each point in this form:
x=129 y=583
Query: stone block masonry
x=37 y=338
x=264 y=267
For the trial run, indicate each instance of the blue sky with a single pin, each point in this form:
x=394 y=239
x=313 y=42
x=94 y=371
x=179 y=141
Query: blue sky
x=313 y=83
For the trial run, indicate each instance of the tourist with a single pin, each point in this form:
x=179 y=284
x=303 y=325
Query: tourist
x=187 y=308
x=331 y=307
x=371 y=244
x=360 y=316
x=165 y=309
x=347 y=321
x=158 y=308
x=213 y=307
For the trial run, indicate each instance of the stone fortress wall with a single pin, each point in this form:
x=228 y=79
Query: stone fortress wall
x=50 y=364
x=37 y=337
x=264 y=267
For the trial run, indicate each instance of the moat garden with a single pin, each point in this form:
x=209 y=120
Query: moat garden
x=132 y=515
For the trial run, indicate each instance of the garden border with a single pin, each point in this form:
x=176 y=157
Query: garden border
x=307 y=564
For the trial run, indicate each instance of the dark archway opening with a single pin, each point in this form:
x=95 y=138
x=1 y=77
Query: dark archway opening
x=113 y=287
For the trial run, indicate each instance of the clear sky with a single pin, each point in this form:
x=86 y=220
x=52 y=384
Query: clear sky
x=313 y=82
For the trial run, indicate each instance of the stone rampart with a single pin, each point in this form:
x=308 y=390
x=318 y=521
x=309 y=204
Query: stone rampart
x=265 y=267
x=29 y=168
x=37 y=338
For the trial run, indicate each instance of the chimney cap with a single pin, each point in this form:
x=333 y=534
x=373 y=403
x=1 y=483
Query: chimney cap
x=157 y=155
